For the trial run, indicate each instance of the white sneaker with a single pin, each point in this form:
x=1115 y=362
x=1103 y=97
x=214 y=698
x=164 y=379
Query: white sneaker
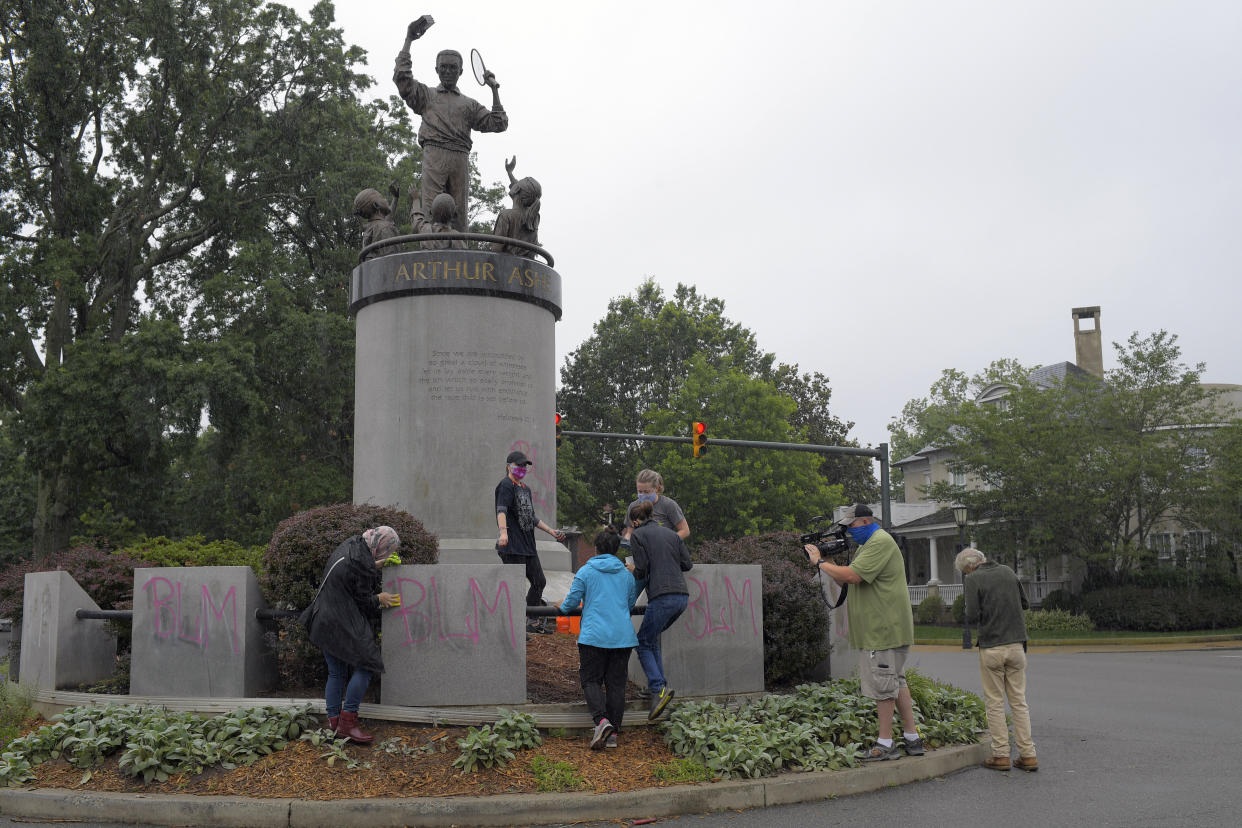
x=602 y=731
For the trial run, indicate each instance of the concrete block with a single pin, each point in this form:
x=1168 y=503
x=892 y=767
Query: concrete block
x=459 y=636
x=58 y=650
x=196 y=634
x=843 y=658
x=716 y=646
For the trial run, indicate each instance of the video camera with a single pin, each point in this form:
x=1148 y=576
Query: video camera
x=830 y=542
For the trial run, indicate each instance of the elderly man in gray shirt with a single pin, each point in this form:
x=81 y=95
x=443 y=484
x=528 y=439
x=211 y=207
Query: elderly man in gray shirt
x=448 y=118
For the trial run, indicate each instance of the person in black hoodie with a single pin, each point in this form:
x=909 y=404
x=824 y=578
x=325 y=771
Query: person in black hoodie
x=338 y=622
x=659 y=556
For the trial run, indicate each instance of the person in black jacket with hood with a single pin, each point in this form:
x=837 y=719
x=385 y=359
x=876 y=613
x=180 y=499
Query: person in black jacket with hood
x=339 y=623
x=659 y=558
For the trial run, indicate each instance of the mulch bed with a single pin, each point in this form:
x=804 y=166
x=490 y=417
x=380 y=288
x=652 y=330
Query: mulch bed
x=300 y=771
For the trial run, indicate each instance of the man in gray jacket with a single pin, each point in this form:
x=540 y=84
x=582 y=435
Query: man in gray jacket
x=994 y=603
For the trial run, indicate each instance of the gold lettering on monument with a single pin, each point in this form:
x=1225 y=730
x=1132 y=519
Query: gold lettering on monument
x=443 y=270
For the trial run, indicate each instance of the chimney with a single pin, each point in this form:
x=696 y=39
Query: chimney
x=1088 y=350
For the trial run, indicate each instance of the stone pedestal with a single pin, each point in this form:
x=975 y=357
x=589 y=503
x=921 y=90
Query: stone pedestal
x=842 y=658
x=58 y=650
x=716 y=646
x=196 y=634
x=459 y=636
x=455 y=368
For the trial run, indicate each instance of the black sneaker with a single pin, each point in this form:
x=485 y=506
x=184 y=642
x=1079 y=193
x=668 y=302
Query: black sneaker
x=659 y=701
x=537 y=626
x=879 y=753
x=913 y=747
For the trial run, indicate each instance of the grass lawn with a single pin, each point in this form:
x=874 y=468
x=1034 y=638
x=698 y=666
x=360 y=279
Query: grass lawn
x=923 y=632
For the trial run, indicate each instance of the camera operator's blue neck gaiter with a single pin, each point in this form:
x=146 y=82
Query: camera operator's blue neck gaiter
x=861 y=534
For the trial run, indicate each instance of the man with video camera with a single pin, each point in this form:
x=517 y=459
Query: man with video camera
x=881 y=626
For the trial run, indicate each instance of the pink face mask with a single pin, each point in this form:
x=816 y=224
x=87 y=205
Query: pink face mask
x=519 y=472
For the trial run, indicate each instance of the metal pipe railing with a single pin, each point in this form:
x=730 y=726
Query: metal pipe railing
x=277 y=614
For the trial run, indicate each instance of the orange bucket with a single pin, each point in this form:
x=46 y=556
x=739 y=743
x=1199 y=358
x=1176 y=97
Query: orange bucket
x=562 y=624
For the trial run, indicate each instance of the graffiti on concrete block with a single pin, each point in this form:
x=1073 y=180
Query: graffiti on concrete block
x=168 y=620
x=699 y=619
x=423 y=615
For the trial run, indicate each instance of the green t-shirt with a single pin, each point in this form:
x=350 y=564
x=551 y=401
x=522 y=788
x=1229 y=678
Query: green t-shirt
x=879 y=607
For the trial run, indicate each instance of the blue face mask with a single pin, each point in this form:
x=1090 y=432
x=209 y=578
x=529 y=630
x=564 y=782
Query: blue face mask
x=861 y=534
x=646 y=497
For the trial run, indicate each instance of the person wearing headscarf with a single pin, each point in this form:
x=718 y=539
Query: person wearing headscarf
x=339 y=622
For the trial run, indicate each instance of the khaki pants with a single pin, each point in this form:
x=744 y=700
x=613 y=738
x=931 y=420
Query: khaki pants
x=1003 y=671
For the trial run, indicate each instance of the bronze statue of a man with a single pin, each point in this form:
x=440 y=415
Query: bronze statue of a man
x=448 y=118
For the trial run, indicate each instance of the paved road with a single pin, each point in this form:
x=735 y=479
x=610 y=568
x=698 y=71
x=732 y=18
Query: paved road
x=1125 y=739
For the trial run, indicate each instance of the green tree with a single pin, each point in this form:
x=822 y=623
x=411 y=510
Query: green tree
x=177 y=180
x=733 y=492
x=925 y=421
x=1220 y=510
x=143 y=141
x=16 y=498
x=634 y=369
x=1088 y=467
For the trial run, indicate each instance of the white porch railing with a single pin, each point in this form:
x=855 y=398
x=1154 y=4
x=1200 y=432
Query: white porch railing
x=1036 y=591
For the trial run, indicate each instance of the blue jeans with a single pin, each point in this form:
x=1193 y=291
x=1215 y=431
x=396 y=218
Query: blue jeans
x=661 y=613
x=342 y=682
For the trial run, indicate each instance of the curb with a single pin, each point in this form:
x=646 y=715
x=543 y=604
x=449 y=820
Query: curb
x=502 y=810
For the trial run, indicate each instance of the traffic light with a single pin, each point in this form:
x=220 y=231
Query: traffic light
x=698 y=433
x=558 y=429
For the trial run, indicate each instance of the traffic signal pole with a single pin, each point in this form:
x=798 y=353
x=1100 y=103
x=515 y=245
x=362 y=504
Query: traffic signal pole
x=880 y=454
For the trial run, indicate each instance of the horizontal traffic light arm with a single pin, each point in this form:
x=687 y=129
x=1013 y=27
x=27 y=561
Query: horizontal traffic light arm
x=879 y=454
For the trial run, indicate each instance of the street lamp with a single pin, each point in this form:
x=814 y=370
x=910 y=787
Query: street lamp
x=960 y=514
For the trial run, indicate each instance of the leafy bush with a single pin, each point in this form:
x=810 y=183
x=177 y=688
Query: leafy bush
x=793 y=605
x=947 y=715
x=195 y=551
x=818 y=727
x=519 y=728
x=1061 y=599
x=1155 y=609
x=482 y=747
x=958 y=610
x=1057 y=621
x=493 y=745
x=157 y=743
x=293 y=563
x=930 y=610
x=108 y=577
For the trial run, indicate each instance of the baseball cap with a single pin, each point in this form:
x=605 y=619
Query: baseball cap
x=518 y=458
x=853 y=513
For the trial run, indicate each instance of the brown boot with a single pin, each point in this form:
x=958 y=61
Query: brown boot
x=1027 y=763
x=332 y=723
x=996 y=763
x=348 y=727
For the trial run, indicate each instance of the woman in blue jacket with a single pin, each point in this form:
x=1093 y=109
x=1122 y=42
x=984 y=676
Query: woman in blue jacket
x=607 y=592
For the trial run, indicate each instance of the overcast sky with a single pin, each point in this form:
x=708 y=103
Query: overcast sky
x=879 y=190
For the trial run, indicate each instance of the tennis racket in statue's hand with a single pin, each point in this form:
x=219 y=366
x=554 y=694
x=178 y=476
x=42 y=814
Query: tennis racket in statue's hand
x=484 y=77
